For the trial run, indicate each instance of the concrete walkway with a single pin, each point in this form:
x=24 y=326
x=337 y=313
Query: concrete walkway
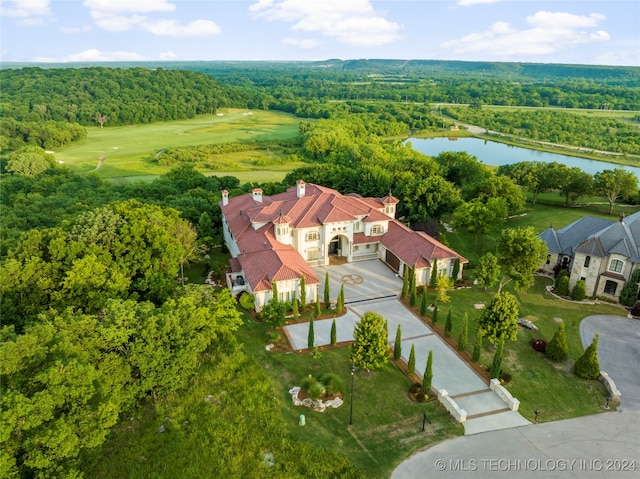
x=485 y=410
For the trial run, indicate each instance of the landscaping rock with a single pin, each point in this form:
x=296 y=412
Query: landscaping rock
x=527 y=324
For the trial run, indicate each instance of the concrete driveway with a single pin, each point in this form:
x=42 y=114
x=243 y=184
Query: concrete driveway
x=618 y=353
x=376 y=289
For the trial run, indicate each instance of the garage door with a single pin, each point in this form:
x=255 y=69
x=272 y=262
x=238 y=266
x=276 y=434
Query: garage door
x=393 y=261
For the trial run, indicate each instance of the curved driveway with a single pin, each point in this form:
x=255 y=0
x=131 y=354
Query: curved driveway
x=618 y=353
x=603 y=445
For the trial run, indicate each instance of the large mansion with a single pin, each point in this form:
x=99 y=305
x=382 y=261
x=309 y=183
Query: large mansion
x=278 y=239
x=601 y=252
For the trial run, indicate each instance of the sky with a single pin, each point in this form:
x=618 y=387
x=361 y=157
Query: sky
x=605 y=32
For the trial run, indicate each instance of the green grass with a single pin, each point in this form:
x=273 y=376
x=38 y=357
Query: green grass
x=130 y=151
x=536 y=381
x=540 y=217
x=387 y=425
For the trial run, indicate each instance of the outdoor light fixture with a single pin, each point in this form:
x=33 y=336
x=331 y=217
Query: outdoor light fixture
x=537 y=413
x=353 y=370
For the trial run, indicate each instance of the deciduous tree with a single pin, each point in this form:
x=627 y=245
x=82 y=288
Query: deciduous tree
x=521 y=253
x=499 y=320
x=370 y=349
x=616 y=183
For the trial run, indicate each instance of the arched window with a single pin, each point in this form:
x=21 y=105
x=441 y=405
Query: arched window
x=587 y=261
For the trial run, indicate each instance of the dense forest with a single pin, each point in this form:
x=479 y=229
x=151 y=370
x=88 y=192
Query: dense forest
x=96 y=321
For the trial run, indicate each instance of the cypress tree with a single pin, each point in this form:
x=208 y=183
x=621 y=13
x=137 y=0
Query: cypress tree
x=462 y=338
x=434 y=275
x=557 y=348
x=411 y=365
x=327 y=292
x=448 y=325
x=303 y=292
x=477 y=347
x=311 y=335
x=434 y=316
x=296 y=312
x=318 y=309
x=412 y=284
x=423 y=303
x=496 y=366
x=340 y=302
x=587 y=366
x=428 y=374
x=397 y=346
x=405 y=284
x=385 y=331
x=456 y=270
x=334 y=334
x=274 y=292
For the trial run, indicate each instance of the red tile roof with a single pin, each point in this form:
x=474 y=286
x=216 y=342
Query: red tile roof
x=264 y=259
x=415 y=247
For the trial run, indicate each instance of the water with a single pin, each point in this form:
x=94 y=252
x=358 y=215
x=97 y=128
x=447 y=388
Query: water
x=496 y=154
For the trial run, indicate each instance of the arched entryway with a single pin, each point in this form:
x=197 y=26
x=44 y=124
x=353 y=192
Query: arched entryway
x=338 y=248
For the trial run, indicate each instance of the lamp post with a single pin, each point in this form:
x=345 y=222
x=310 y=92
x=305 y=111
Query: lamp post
x=537 y=413
x=353 y=370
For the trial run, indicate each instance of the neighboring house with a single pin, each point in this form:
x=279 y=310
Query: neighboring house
x=601 y=252
x=280 y=238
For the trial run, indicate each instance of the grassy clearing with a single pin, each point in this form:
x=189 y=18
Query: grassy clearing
x=387 y=425
x=129 y=151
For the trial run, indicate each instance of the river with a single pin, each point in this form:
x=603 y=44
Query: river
x=496 y=154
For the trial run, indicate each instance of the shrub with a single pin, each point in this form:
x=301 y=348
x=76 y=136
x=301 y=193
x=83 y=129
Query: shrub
x=448 y=325
x=334 y=335
x=477 y=348
x=579 y=291
x=316 y=390
x=273 y=336
x=332 y=383
x=434 y=316
x=411 y=364
x=247 y=301
x=558 y=349
x=636 y=309
x=629 y=294
x=587 y=366
x=397 y=346
x=496 y=365
x=562 y=286
x=423 y=304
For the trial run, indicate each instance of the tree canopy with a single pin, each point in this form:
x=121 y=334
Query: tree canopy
x=370 y=349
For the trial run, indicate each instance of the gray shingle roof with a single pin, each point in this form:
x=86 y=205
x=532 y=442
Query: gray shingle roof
x=597 y=237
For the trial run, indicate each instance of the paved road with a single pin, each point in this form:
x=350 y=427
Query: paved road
x=605 y=445
x=618 y=354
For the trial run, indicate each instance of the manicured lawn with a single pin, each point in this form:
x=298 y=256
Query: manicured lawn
x=536 y=381
x=387 y=425
x=129 y=151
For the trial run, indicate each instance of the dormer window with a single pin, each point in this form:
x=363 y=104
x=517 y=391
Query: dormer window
x=377 y=230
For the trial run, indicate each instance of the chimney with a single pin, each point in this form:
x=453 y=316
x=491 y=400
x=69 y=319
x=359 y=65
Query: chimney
x=225 y=197
x=257 y=195
x=300 y=188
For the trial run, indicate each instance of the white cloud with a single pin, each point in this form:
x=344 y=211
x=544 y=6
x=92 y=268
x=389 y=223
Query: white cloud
x=466 y=3
x=168 y=55
x=27 y=12
x=94 y=55
x=353 y=22
x=129 y=6
x=171 y=28
x=550 y=32
x=72 y=30
x=123 y=15
x=305 y=43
